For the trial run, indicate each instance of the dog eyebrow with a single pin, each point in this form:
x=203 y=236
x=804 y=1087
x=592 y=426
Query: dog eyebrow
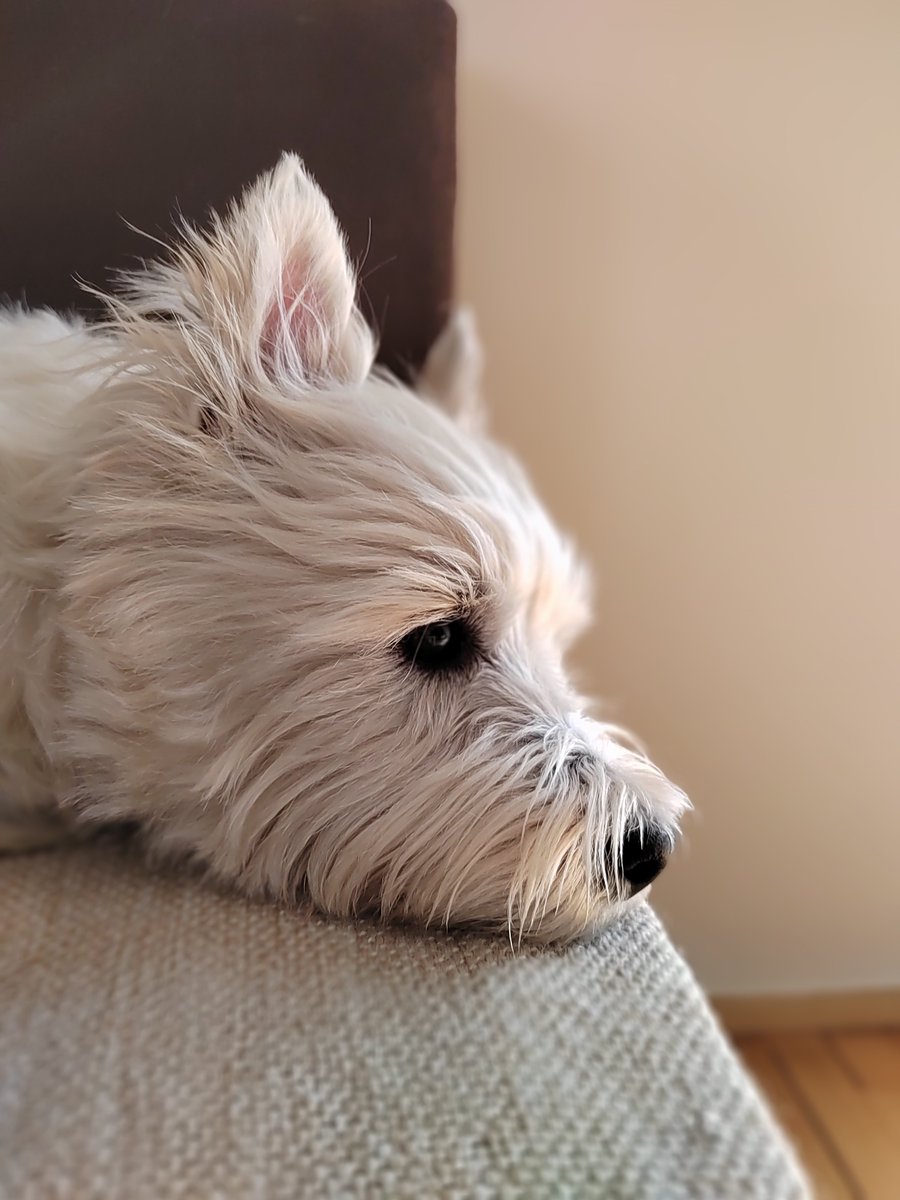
x=475 y=601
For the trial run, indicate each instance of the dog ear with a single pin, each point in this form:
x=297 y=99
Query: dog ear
x=451 y=376
x=304 y=317
x=266 y=293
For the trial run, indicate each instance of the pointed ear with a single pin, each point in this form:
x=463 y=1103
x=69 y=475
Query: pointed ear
x=267 y=292
x=451 y=376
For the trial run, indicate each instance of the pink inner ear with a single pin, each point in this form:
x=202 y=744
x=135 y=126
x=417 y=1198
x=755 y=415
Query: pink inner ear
x=293 y=318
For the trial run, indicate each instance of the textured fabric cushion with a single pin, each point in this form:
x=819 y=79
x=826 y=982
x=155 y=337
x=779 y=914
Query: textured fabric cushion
x=159 y=1039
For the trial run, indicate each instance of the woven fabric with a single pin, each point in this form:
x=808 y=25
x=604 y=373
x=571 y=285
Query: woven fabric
x=159 y=1039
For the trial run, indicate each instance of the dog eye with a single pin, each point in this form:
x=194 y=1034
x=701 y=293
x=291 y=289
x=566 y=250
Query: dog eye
x=440 y=646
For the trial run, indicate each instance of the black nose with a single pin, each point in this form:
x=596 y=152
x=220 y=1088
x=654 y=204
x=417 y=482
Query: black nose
x=644 y=855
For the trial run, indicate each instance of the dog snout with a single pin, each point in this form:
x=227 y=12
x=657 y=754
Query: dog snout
x=644 y=854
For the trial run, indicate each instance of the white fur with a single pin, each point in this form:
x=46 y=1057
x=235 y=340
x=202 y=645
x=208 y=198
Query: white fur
x=217 y=523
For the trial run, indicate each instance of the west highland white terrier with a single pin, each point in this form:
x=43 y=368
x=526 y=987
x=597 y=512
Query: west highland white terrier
x=300 y=622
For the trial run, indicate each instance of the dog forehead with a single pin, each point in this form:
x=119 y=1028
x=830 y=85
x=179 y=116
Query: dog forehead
x=382 y=434
x=433 y=510
x=469 y=491
x=455 y=465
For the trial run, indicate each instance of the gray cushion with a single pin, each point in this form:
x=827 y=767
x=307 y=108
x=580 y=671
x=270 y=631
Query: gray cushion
x=161 y=1039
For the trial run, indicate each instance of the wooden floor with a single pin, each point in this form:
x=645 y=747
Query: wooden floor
x=837 y=1095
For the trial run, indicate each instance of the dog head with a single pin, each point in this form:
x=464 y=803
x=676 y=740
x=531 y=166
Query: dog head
x=317 y=619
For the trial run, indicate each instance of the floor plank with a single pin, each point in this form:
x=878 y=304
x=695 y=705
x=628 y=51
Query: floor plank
x=860 y=1121
x=873 y=1059
x=829 y=1175
x=873 y=1062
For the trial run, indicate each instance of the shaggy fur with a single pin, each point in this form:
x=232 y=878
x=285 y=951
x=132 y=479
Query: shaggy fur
x=219 y=528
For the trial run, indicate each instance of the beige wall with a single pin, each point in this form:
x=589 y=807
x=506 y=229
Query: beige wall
x=680 y=227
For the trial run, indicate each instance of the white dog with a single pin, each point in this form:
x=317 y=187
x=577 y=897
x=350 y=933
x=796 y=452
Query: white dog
x=297 y=621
